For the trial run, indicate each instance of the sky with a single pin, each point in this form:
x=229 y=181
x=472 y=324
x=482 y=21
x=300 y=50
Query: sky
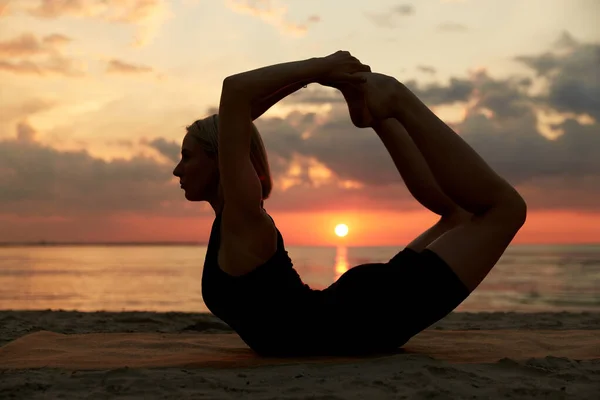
x=95 y=97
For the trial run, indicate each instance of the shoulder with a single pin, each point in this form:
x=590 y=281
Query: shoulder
x=246 y=241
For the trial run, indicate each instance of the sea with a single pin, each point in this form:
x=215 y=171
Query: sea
x=528 y=278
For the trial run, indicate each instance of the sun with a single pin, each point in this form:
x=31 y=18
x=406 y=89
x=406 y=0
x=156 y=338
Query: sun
x=341 y=230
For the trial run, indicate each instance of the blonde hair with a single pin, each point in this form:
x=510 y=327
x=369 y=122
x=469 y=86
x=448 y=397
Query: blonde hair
x=206 y=132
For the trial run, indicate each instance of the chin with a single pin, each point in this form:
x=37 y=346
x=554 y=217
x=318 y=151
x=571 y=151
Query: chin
x=191 y=197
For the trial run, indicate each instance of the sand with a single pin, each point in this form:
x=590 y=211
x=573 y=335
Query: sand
x=404 y=376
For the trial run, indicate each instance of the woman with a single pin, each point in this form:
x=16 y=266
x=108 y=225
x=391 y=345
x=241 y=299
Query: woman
x=249 y=281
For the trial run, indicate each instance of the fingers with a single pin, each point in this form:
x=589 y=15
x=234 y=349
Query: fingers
x=361 y=67
x=347 y=68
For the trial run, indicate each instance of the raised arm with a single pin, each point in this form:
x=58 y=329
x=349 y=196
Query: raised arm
x=263 y=105
x=240 y=93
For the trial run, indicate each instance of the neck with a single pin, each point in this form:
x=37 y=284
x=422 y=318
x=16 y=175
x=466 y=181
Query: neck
x=217 y=202
x=217 y=205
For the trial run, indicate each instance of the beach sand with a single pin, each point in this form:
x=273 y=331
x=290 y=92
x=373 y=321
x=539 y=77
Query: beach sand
x=407 y=376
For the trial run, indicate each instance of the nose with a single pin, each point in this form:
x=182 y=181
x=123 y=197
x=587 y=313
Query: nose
x=176 y=171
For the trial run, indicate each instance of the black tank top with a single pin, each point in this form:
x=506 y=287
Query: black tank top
x=227 y=296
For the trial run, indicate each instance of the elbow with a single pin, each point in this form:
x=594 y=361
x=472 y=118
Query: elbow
x=233 y=84
x=235 y=95
x=231 y=81
x=234 y=90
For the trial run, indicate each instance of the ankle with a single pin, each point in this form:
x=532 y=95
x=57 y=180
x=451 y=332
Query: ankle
x=382 y=125
x=398 y=96
x=406 y=111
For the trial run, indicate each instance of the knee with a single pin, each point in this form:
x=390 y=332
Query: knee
x=518 y=206
x=456 y=217
x=512 y=208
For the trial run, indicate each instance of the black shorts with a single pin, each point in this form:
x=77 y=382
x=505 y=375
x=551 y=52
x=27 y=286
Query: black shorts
x=371 y=308
x=383 y=305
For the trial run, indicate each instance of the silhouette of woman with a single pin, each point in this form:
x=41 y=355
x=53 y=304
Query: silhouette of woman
x=249 y=281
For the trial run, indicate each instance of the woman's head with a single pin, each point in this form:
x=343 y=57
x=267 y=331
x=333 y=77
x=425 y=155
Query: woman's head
x=198 y=170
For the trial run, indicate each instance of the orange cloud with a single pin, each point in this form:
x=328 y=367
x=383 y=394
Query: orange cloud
x=32 y=106
x=56 y=65
x=121 y=67
x=26 y=133
x=34 y=56
x=147 y=15
x=28 y=44
x=271 y=12
x=322 y=165
x=4 y=9
x=131 y=11
x=56 y=39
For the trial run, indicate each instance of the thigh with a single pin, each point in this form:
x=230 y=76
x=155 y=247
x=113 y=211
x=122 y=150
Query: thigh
x=430 y=289
x=391 y=302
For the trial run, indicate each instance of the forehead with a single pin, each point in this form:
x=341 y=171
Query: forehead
x=189 y=143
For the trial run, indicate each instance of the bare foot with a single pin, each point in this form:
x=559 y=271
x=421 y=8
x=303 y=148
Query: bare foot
x=371 y=101
x=380 y=94
x=357 y=104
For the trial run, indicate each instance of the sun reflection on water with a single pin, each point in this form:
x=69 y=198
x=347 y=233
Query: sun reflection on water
x=341 y=261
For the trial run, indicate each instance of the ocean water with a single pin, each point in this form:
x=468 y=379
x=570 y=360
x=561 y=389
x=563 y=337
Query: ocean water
x=167 y=278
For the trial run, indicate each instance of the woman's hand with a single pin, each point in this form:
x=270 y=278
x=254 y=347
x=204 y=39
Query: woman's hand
x=341 y=68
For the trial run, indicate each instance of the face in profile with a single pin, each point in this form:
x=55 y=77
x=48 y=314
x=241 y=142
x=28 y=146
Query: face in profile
x=197 y=171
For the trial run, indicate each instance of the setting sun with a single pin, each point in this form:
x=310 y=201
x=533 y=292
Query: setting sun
x=341 y=230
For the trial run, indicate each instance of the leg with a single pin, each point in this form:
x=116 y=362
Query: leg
x=473 y=248
x=420 y=181
x=410 y=164
x=449 y=157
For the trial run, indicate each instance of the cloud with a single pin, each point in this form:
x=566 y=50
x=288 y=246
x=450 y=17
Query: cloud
x=147 y=15
x=28 y=44
x=168 y=149
x=404 y=9
x=29 y=55
x=273 y=13
x=55 y=66
x=36 y=180
x=19 y=111
x=315 y=95
x=388 y=19
x=452 y=27
x=427 y=69
x=457 y=90
x=4 y=8
x=121 y=67
x=56 y=39
x=572 y=71
x=25 y=133
x=501 y=122
x=322 y=161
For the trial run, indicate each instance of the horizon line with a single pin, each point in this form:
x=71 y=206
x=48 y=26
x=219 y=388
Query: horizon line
x=43 y=243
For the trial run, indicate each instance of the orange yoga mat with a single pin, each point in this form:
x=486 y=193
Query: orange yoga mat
x=151 y=350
